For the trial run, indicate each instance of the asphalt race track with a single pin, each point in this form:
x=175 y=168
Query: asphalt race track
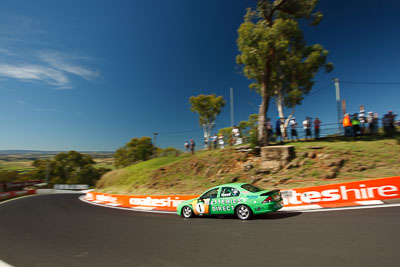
x=60 y=230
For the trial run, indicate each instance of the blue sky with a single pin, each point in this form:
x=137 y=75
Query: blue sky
x=91 y=75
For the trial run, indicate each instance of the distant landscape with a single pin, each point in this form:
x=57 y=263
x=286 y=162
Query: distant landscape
x=21 y=160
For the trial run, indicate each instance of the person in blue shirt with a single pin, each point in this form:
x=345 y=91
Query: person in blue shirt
x=278 y=131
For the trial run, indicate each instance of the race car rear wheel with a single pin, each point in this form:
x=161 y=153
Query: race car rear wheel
x=187 y=212
x=243 y=212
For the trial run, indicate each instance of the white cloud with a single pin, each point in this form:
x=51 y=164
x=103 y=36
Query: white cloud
x=32 y=73
x=62 y=62
x=6 y=52
x=54 y=68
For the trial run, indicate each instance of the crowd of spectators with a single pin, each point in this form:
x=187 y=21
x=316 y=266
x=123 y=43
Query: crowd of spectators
x=360 y=124
x=311 y=128
x=354 y=125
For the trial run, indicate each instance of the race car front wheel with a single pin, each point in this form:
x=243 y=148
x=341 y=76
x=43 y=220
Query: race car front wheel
x=187 y=212
x=243 y=212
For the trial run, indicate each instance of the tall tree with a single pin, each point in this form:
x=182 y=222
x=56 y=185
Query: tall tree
x=69 y=167
x=297 y=70
x=208 y=107
x=135 y=150
x=270 y=41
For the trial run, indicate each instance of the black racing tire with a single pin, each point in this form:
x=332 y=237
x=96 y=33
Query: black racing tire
x=187 y=212
x=243 y=212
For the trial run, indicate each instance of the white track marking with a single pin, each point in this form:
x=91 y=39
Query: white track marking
x=4 y=264
x=305 y=207
x=354 y=208
x=82 y=198
x=370 y=202
x=15 y=198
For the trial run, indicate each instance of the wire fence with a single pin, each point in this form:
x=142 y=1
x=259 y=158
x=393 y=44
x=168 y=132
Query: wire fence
x=325 y=130
x=332 y=129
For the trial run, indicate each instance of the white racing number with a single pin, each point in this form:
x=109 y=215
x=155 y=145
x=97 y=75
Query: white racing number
x=200 y=207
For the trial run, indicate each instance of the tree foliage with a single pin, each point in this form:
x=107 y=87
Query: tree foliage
x=9 y=176
x=168 y=151
x=68 y=168
x=248 y=130
x=273 y=54
x=295 y=73
x=135 y=150
x=226 y=132
x=208 y=107
x=248 y=127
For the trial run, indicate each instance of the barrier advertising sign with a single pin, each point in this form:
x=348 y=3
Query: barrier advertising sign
x=348 y=193
x=334 y=195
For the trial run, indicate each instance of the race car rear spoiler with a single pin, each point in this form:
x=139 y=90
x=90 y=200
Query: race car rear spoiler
x=270 y=192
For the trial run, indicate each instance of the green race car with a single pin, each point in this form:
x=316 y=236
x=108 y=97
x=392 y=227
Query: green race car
x=240 y=199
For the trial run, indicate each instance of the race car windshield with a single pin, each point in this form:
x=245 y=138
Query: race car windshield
x=251 y=188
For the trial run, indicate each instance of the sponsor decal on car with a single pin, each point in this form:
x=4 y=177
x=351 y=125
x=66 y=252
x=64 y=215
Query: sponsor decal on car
x=225 y=201
x=223 y=208
x=201 y=207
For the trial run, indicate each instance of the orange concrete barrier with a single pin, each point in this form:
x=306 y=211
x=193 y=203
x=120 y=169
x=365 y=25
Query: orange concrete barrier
x=345 y=194
x=168 y=203
x=334 y=195
x=11 y=194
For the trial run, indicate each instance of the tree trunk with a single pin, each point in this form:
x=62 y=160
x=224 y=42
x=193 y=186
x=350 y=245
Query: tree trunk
x=288 y=118
x=207 y=128
x=263 y=134
x=279 y=105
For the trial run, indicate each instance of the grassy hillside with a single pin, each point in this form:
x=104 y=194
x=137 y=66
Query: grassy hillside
x=317 y=162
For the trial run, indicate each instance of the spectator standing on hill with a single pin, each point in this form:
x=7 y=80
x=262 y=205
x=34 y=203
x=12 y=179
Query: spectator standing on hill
x=235 y=134
x=370 y=121
x=192 y=146
x=392 y=121
x=269 y=128
x=361 y=119
x=214 y=139
x=293 y=126
x=376 y=122
x=221 y=141
x=348 y=127
x=317 y=124
x=388 y=123
x=356 y=125
x=307 y=127
x=186 y=146
x=278 y=131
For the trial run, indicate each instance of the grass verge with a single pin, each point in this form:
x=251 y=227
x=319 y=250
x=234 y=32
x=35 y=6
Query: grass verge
x=366 y=158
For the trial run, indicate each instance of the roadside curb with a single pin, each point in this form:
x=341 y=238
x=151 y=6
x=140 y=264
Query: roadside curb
x=310 y=208
x=14 y=194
